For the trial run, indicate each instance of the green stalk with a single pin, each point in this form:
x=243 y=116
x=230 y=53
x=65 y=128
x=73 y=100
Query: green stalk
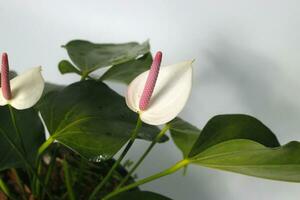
x=27 y=163
x=41 y=150
x=153 y=143
x=84 y=75
x=82 y=78
x=22 y=153
x=166 y=172
x=18 y=133
x=116 y=164
x=49 y=171
x=68 y=181
x=5 y=189
x=36 y=186
x=45 y=145
x=14 y=122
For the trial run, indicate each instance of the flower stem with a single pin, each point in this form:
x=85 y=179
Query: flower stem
x=68 y=181
x=49 y=172
x=4 y=188
x=166 y=172
x=35 y=183
x=24 y=159
x=14 y=122
x=153 y=143
x=45 y=145
x=116 y=164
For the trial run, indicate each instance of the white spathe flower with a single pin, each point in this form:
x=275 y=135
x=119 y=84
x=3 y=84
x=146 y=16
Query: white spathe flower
x=26 y=89
x=170 y=94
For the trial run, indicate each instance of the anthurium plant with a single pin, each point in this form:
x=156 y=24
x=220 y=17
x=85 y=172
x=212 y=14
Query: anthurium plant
x=71 y=141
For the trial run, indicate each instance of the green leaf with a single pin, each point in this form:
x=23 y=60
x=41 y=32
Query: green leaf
x=242 y=144
x=65 y=67
x=91 y=119
x=49 y=87
x=126 y=72
x=139 y=195
x=228 y=127
x=183 y=134
x=254 y=159
x=31 y=131
x=89 y=57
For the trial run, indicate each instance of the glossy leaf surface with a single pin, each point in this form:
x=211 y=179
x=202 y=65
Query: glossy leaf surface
x=91 y=119
x=88 y=56
x=251 y=158
x=15 y=123
x=127 y=71
x=236 y=126
x=66 y=67
x=183 y=134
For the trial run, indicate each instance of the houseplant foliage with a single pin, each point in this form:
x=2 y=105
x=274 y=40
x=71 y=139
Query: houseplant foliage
x=89 y=123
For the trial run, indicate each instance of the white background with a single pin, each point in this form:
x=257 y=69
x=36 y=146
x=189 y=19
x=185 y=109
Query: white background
x=247 y=61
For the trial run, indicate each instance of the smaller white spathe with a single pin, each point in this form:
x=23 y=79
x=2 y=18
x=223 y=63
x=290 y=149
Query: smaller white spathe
x=26 y=89
x=170 y=94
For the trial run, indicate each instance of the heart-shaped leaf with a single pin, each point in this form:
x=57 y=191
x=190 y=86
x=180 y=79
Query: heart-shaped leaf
x=254 y=159
x=139 y=195
x=242 y=144
x=17 y=126
x=91 y=119
x=89 y=57
x=49 y=87
x=183 y=134
x=126 y=72
x=228 y=127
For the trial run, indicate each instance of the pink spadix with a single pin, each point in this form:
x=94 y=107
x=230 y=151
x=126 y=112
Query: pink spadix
x=151 y=81
x=5 y=85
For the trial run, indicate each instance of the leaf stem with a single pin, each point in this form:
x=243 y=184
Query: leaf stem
x=35 y=184
x=116 y=164
x=42 y=148
x=18 y=133
x=49 y=172
x=137 y=164
x=166 y=172
x=45 y=145
x=68 y=181
x=85 y=74
x=14 y=122
x=27 y=163
x=4 y=188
